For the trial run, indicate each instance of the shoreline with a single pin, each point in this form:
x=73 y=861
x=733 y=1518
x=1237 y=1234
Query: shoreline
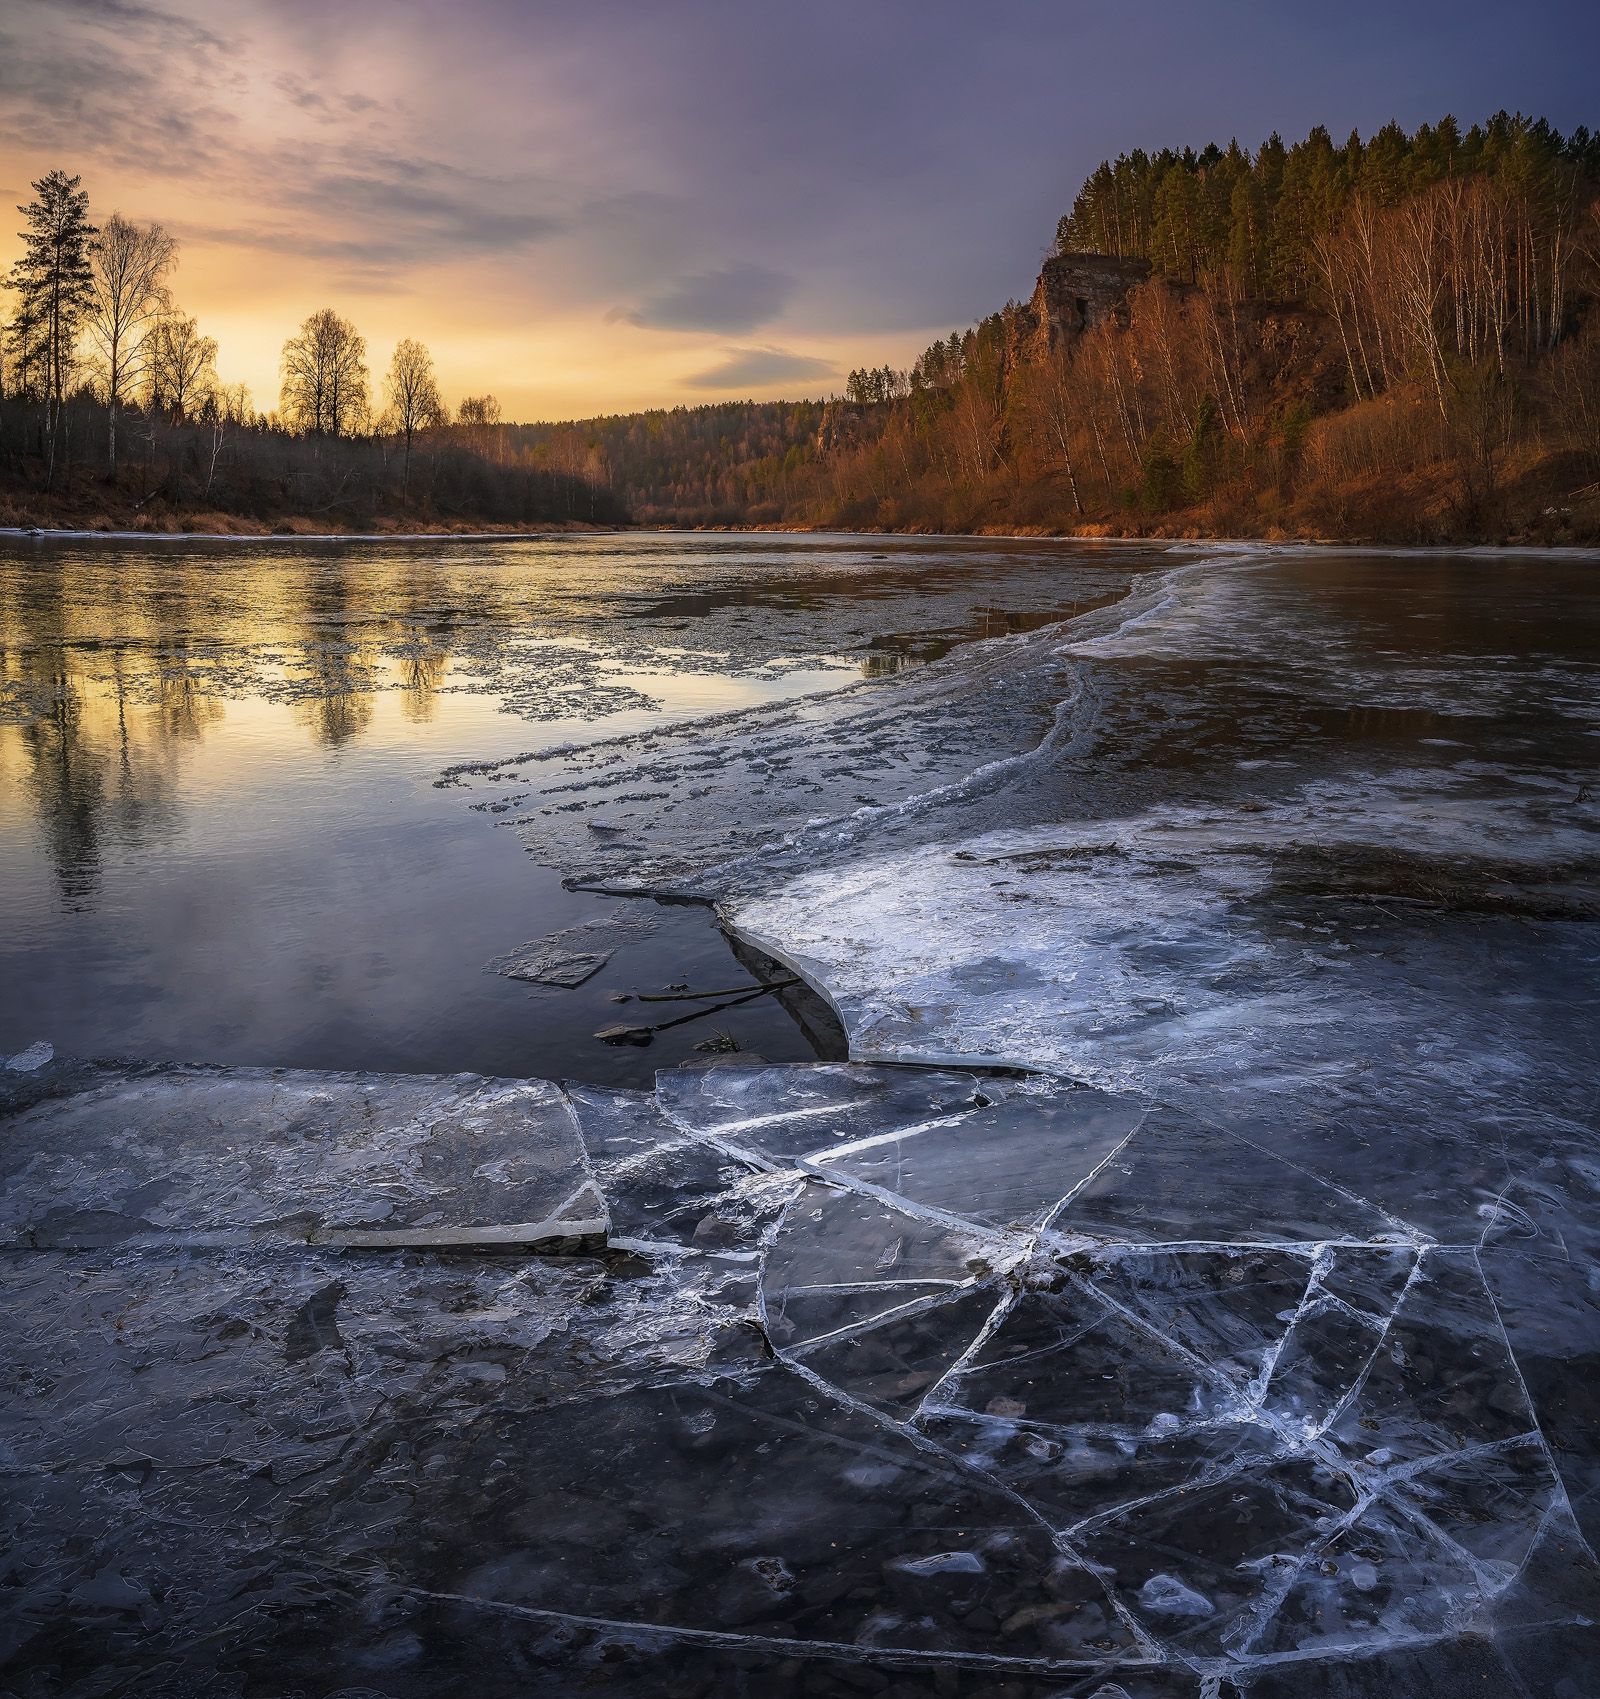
x=556 y=533
x=520 y=534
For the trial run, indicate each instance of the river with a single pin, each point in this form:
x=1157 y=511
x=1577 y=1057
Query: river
x=223 y=835
x=1187 y=1290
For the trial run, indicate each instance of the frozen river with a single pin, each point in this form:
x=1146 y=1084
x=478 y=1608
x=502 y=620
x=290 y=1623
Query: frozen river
x=223 y=835
x=1188 y=1289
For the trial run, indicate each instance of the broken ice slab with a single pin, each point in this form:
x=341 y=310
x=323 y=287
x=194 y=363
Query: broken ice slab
x=1179 y=1179
x=1318 y=1365
x=834 y=1239
x=1396 y=1668
x=1009 y=1164
x=777 y=1114
x=1079 y=1476
x=1060 y=1357
x=1179 y=936
x=1198 y=1567
x=252 y=1155
x=542 y=965
x=270 y=1362
x=1378 y=1576
x=840 y=1260
x=1368 y=1279
x=1442 y=1378
x=897 y=1360
x=173 y=1419
x=1492 y=1503
x=757 y=1507
x=1229 y=1308
x=662 y=1184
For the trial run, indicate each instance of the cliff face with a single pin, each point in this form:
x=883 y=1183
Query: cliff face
x=1293 y=357
x=1075 y=292
x=1286 y=352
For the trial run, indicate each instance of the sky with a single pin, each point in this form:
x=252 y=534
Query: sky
x=602 y=205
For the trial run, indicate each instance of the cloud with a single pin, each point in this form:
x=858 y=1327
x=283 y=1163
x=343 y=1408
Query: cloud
x=114 y=84
x=759 y=368
x=300 y=93
x=423 y=210
x=733 y=298
x=101 y=80
x=123 y=15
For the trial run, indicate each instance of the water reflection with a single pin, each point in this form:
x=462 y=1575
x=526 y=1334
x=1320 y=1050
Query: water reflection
x=98 y=765
x=219 y=834
x=115 y=657
x=895 y=652
x=422 y=674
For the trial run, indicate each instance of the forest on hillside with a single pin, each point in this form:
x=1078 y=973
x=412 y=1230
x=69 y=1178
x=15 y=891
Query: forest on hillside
x=1395 y=338
x=723 y=463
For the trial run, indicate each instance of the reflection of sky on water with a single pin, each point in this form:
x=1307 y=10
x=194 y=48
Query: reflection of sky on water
x=220 y=837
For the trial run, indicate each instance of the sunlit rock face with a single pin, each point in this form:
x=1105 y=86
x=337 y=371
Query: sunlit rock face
x=1075 y=293
x=1189 y=1292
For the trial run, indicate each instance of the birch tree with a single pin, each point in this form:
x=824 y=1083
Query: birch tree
x=131 y=262
x=180 y=367
x=325 y=377
x=414 y=401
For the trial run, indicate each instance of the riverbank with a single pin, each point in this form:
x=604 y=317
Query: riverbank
x=220 y=527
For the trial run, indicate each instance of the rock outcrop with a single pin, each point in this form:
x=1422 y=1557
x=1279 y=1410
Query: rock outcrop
x=1077 y=291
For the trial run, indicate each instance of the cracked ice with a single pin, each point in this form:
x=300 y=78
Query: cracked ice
x=1239 y=1339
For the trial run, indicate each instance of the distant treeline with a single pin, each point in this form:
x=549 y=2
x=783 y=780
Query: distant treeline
x=1396 y=338
x=111 y=412
x=725 y=463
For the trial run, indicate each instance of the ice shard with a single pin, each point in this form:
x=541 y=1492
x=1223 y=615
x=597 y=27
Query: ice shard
x=194 y=1156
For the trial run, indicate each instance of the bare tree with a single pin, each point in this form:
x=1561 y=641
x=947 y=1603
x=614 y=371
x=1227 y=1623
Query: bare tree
x=1053 y=402
x=414 y=401
x=131 y=262
x=325 y=377
x=478 y=419
x=180 y=367
x=1575 y=390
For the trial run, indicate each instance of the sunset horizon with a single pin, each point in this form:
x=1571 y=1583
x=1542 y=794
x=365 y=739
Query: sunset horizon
x=596 y=210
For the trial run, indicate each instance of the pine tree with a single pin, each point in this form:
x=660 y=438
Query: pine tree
x=54 y=277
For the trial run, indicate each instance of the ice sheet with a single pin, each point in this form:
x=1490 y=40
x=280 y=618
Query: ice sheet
x=188 y=1156
x=1249 y=1351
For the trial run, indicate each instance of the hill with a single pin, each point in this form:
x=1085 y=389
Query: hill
x=1394 y=338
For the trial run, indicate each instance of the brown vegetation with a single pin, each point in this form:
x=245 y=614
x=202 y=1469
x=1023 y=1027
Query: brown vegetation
x=1398 y=339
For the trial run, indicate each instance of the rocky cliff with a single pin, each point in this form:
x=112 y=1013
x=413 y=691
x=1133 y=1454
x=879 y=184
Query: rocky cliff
x=1075 y=292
